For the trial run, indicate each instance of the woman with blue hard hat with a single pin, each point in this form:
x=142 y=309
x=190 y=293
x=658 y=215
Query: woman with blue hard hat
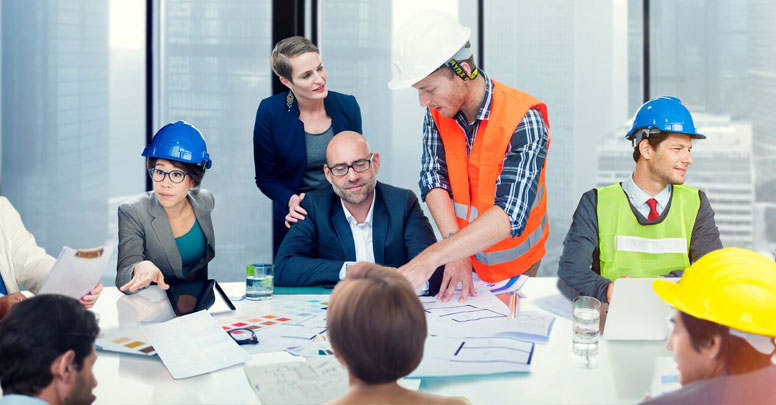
x=724 y=329
x=293 y=128
x=167 y=234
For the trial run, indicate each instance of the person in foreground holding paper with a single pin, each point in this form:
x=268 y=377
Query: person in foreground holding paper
x=167 y=234
x=356 y=219
x=47 y=352
x=23 y=262
x=724 y=329
x=377 y=328
x=649 y=225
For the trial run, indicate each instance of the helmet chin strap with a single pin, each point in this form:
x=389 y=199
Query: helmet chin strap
x=642 y=134
x=452 y=64
x=464 y=53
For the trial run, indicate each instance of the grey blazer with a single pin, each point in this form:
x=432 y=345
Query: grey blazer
x=145 y=234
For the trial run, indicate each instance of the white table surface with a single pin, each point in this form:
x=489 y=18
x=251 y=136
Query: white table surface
x=623 y=375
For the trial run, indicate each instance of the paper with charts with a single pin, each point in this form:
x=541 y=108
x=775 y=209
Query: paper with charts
x=484 y=316
x=306 y=382
x=293 y=323
x=446 y=357
x=193 y=344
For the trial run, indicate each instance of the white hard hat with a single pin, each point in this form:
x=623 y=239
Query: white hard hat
x=422 y=44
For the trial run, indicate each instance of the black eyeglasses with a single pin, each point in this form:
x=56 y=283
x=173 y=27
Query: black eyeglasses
x=243 y=336
x=358 y=166
x=176 y=176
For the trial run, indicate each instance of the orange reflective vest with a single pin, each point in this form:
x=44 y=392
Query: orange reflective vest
x=473 y=180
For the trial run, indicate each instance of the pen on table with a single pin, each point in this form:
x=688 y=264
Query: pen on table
x=513 y=304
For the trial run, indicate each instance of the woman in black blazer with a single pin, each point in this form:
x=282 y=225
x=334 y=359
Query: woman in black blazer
x=293 y=128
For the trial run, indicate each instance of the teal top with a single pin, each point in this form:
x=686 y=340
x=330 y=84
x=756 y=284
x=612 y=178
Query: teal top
x=191 y=247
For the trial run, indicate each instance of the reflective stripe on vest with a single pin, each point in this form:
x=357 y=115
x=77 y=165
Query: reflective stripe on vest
x=628 y=248
x=503 y=256
x=460 y=209
x=473 y=178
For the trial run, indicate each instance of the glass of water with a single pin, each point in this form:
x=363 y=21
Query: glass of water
x=587 y=314
x=259 y=281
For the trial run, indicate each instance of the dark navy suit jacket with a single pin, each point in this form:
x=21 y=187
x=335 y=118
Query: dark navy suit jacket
x=315 y=249
x=279 y=152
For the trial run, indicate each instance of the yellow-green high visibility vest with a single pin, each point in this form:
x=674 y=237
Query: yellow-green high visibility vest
x=628 y=248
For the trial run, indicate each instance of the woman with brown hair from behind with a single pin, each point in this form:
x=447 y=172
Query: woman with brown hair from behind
x=377 y=328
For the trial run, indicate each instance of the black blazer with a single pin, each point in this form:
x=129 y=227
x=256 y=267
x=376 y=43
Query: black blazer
x=279 y=151
x=315 y=249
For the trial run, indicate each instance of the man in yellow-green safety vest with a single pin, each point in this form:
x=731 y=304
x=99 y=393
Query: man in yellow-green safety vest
x=650 y=224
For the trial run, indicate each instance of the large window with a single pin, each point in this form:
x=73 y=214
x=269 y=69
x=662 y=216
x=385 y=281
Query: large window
x=74 y=107
x=573 y=56
x=73 y=115
x=355 y=41
x=213 y=71
x=718 y=57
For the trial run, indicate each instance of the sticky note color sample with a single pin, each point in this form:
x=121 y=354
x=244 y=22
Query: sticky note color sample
x=134 y=344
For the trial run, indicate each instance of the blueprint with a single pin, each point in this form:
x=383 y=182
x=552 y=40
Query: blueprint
x=484 y=316
x=446 y=357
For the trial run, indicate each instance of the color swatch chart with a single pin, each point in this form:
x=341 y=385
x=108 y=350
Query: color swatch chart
x=281 y=309
x=125 y=341
x=284 y=323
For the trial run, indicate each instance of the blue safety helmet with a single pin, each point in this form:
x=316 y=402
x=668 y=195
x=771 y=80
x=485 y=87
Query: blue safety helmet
x=179 y=141
x=665 y=114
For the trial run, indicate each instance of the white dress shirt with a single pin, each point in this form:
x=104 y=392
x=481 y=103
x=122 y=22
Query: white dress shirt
x=362 y=239
x=639 y=197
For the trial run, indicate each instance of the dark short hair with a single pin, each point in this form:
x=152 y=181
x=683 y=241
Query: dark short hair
x=653 y=139
x=34 y=333
x=736 y=354
x=377 y=325
x=196 y=172
x=286 y=49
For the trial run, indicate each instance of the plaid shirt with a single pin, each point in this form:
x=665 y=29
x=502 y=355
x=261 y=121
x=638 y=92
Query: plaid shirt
x=516 y=186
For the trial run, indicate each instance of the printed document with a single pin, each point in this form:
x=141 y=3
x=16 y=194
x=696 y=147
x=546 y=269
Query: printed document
x=76 y=272
x=193 y=344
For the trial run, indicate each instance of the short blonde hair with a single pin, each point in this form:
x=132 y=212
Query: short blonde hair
x=286 y=49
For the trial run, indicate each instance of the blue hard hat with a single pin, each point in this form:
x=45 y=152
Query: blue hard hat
x=179 y=141
x=666 y=114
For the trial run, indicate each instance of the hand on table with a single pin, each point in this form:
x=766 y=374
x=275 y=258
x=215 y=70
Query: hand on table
x=417 y=271
x=91 y=297
x=8 y=301
x=295 y=210
x=459 y=271
x=145 y=272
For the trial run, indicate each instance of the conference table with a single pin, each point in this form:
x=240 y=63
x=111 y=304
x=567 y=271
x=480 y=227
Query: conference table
x=623 y=375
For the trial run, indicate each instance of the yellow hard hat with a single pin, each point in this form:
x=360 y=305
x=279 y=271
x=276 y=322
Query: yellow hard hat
x=732 y=287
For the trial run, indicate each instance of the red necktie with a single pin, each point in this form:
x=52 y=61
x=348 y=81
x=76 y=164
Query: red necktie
x=652 y=209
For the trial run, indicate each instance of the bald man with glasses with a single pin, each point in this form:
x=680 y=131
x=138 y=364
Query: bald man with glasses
x=356 y=219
